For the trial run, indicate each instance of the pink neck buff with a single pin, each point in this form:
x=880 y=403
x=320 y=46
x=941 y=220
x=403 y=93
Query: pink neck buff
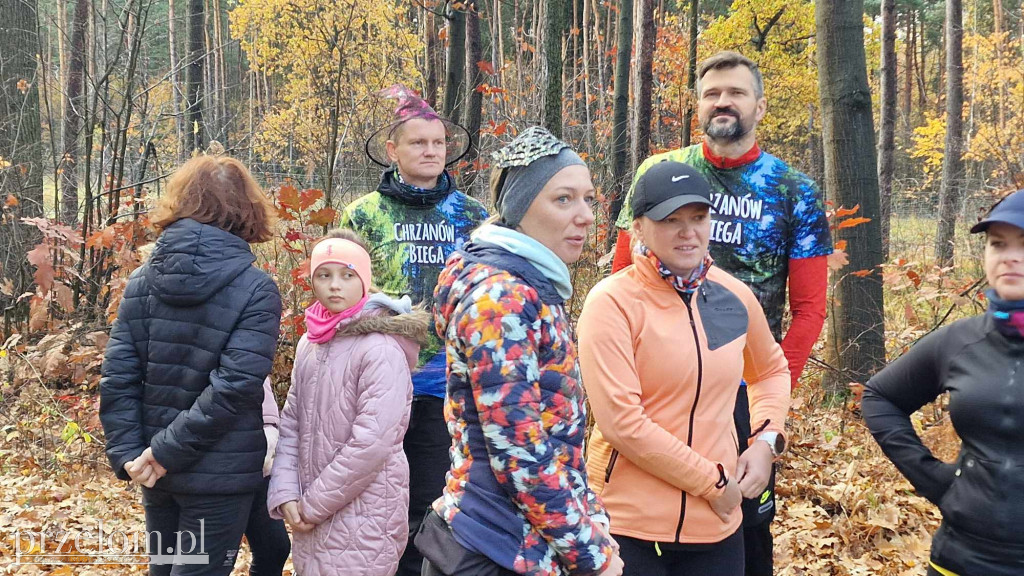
x=321 y=323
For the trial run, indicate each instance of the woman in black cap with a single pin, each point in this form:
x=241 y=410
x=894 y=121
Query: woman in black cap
x=663 y=345
x=978 y=360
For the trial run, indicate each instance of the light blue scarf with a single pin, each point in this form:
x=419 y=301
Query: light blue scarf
x=526 y=247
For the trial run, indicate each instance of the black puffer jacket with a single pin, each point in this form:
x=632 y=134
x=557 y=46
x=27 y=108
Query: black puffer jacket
x=183 y=372
x=981 y=496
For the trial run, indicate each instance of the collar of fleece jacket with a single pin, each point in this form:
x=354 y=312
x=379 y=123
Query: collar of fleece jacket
x=517 y=490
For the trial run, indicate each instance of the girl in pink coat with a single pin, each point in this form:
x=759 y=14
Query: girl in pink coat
x=340 y=477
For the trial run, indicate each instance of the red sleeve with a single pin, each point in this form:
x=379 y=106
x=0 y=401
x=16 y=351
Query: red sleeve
x=808 y=283
x=623 y=255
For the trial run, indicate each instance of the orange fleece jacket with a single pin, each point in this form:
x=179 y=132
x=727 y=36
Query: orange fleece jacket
x=808 y=283
x=661 y=378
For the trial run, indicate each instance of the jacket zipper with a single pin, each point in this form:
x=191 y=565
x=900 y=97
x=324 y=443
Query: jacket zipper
x=693 y=410
x=611 y=464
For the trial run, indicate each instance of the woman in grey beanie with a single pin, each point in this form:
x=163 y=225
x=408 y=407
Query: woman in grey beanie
x=542 y=189
x=517 y=500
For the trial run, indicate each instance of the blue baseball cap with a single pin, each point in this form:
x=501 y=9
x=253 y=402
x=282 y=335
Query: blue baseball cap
x=1009 y=210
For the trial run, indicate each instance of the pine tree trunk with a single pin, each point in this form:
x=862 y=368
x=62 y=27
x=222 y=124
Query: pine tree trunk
x=920 y=63
x=620 y=133
x=455 y=74
x=887 y=135
x=475 y=98
x=951 y=191
x=176 y=88
x=498 y=42
x=555 y=28
x=600 y=54
x=908 y=72
x=64 y=32
x=691 y=75
x=220 y=75
x=432 y=45
x=194 y=77
x=21 y=184
x=642 y=94
x=586 y=77
x=73 y=110
x=997 y=28
x=20 y=126
x=858 y=321
x=611 y=36
x=209 y=75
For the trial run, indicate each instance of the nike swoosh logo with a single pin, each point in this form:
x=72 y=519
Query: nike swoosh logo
x=678 y=178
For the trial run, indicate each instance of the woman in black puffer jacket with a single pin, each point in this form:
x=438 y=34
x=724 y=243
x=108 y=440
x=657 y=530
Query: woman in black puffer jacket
x=182 y=386
x=979 y=361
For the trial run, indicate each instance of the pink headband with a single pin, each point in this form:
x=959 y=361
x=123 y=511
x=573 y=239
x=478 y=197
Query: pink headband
x=346 y=253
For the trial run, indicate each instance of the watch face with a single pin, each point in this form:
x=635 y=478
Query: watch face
x=780 y=445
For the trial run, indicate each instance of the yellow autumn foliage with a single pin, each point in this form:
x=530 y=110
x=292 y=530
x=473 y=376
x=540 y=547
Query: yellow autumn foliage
x=993 y=116
x=325 y=59
x=929 y=142
x=785 y=54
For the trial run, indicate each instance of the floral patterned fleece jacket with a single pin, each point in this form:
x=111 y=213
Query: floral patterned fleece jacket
x=517 y=491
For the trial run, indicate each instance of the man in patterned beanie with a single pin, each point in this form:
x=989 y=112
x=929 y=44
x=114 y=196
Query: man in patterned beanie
x=412 y=222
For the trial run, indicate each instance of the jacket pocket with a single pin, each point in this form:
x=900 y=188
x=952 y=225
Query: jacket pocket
x=611 y=464
x=976 y=501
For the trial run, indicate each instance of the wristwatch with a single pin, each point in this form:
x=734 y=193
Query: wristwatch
x=775 y=441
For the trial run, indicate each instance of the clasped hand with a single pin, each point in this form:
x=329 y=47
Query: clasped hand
x=292 y=512
x=145 y=470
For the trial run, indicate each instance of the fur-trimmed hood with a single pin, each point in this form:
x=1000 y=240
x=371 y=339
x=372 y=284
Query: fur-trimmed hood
x=385 y=315
x=413 y=325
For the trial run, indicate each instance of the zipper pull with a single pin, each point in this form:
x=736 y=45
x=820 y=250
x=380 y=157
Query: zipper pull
x=760 y=428
x=723 y=480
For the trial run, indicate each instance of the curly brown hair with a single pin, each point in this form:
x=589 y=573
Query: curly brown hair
x=218 y=191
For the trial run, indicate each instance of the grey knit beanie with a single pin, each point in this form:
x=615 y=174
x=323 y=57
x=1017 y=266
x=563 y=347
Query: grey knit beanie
x=530 y=161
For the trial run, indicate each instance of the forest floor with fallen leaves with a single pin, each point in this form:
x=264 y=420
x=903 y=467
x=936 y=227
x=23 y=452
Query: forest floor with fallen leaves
x=843 y=509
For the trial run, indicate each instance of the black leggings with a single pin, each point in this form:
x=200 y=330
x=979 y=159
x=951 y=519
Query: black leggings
x=642 y=558
x=208 y=526
x=426 y=447
x=757 y=512
x=268 y=538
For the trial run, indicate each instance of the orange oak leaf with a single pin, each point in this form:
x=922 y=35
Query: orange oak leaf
x=323 y=217
x=844 y=212
x=40 y=258
x=851 y=222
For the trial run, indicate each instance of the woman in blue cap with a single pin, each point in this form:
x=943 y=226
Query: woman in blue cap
x=979 y=361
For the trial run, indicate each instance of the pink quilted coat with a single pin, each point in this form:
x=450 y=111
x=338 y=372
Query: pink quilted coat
x=340 y=453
